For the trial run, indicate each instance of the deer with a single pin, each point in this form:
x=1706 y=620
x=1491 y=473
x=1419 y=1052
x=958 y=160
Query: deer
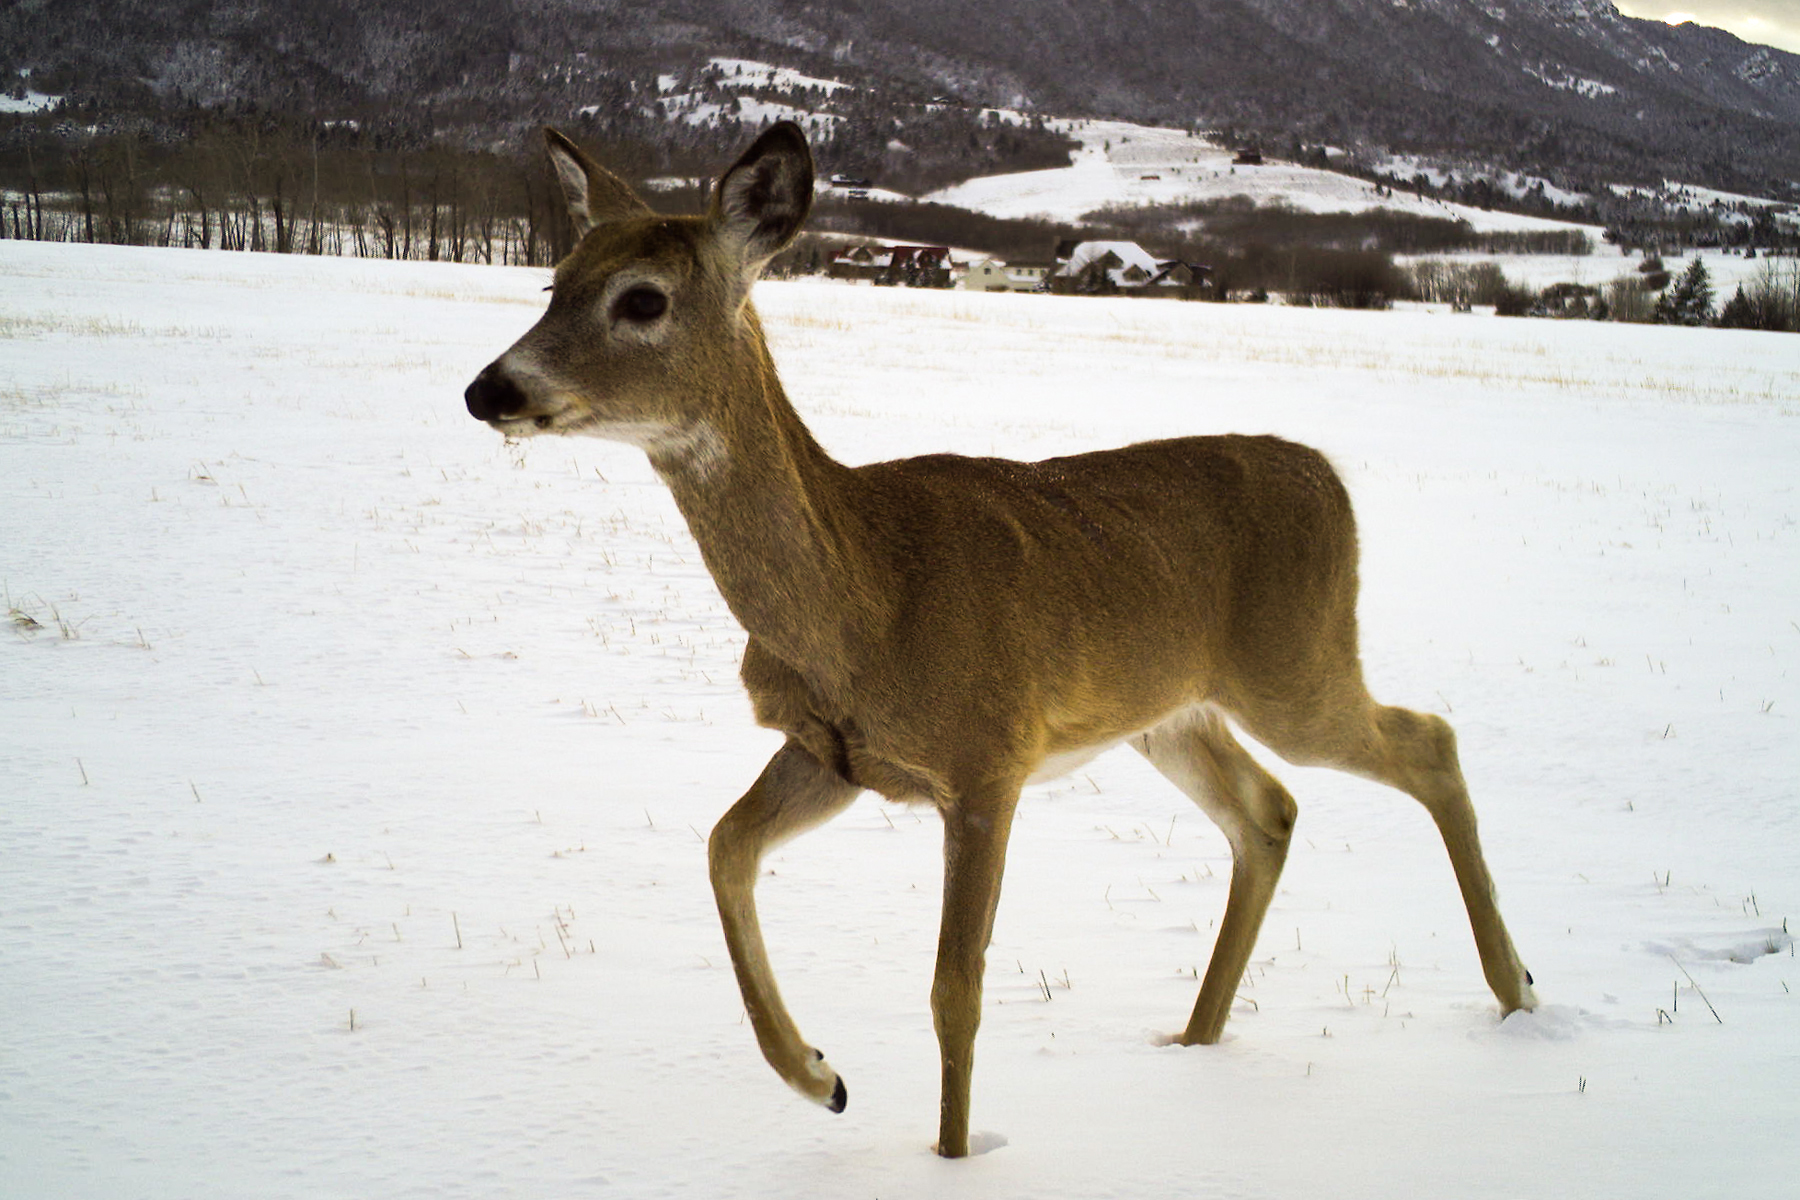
x=943 y=630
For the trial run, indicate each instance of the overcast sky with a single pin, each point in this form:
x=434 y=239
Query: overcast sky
x=1766 y=22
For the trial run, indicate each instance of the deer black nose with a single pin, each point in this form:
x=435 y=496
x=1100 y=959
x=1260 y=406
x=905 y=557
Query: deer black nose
x=494 y=395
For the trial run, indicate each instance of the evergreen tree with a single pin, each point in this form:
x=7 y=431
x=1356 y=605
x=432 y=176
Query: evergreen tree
x=1690 y=301
x=1738 y=312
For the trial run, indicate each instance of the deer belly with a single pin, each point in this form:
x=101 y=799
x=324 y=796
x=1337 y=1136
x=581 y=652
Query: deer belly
x=1055 y=766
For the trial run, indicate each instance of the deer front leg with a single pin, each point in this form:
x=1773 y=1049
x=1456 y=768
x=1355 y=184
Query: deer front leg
x=975 y=832
x=794 y=793
x=1198 y=755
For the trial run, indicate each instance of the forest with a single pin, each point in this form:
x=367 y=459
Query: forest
x=242 y=178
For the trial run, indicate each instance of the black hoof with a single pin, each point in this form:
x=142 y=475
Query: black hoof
x=839 y=1097
x=1528 y=979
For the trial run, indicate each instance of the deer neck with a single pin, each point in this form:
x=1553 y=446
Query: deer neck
x=776 y=520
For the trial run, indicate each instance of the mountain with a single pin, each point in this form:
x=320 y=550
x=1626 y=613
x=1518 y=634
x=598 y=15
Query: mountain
x=1552 y=83
x=1568 y=87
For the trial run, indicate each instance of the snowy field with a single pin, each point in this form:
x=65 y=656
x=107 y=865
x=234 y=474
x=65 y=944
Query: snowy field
x=355 y=768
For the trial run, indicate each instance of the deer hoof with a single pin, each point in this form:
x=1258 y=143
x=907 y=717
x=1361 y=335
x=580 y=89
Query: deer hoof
x=821 y=1070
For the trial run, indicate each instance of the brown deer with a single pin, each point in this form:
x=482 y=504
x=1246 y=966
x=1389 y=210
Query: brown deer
x=943 y=630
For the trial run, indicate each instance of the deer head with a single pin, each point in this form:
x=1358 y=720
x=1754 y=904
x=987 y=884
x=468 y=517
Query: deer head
x=649 y=314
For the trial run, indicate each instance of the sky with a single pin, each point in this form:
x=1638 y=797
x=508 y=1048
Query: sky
x=1765 y=22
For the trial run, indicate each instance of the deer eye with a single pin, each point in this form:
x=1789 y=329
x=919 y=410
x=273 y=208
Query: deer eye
x=640 y=305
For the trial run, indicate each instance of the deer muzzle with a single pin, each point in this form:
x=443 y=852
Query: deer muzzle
x=496 y=396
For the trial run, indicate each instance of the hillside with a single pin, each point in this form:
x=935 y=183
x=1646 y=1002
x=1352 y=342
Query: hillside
x=1125 y=165
x=1567 y=88
x=1560 y=85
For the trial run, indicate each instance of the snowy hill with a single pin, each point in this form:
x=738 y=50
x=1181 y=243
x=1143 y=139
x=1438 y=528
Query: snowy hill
x=1123 y=164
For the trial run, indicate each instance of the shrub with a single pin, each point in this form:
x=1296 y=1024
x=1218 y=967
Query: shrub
x=1347 y=278
x=1515 y=300
x=1454 y=283
x=1773 y=297
x=1629 y=301
x=1737 y=312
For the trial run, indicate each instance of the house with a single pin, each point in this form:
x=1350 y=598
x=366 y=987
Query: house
x=1249 y=156
x=992 y=275
x=889 y=266
x=916 y=266
x=987 y=275
x=1188 y=280
x=856 y=263
x=1094 y=268
x=1127 y=269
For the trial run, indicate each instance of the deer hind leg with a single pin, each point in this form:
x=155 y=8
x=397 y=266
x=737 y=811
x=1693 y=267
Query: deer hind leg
x=1197 y=753
x=794 y=793
x=975 y=833
x=1416 y=753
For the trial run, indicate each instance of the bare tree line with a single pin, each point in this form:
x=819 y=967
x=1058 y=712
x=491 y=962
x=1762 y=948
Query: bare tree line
x=266 y=186
x=1769 y=300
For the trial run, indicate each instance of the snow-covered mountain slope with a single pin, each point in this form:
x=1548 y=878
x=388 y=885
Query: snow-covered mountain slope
x=1122 y=164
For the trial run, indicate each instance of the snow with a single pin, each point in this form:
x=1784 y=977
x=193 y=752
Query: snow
x=1124 y=164
x=746 y=110
x=1006 y=116
x=320 y=699
x=1685 y=196
x=31 y=101
x=750 y=73
x=1689 y=197
x=1402 y=168
x=1562 y=80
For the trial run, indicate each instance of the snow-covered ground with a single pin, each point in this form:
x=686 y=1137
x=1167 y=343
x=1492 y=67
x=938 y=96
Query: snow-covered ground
x=30 y=102
x=1402 y=168
x=1693 y=197
x=1129 y=165
x=354 y=768
x=1729 y=207
x=746 y=110
x=749 y=111
x=749 y=73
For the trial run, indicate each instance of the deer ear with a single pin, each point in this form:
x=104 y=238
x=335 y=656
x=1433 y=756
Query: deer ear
x=594 y=195
x=762 y=201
